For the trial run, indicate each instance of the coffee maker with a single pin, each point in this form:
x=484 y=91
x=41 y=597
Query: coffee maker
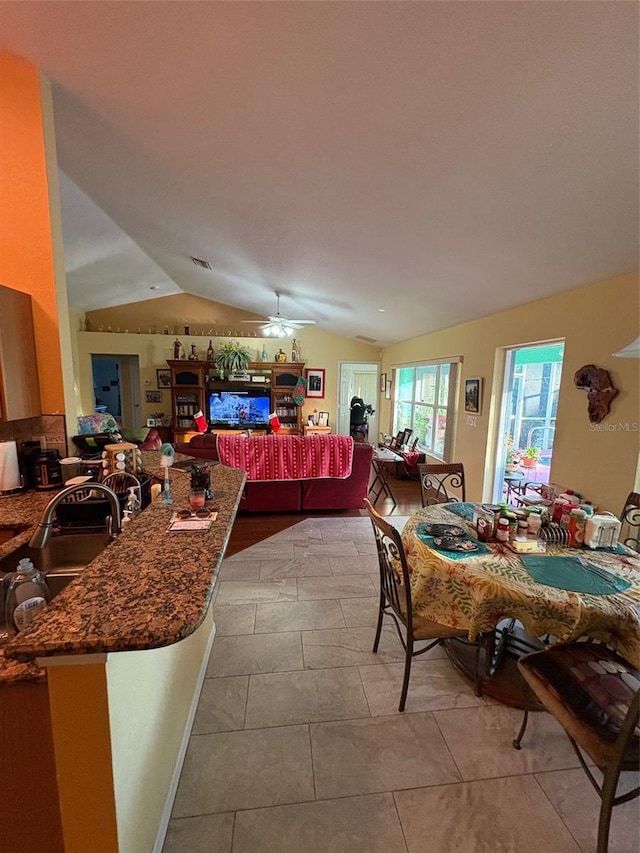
x=48 y=471
x=29 y=452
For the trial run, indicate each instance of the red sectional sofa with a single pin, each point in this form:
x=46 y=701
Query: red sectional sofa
x=295 y=495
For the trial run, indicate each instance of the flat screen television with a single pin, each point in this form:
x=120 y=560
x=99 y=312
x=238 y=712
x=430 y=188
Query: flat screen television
x=246 y=408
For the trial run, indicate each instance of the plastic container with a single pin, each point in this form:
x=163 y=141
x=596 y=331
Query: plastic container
x=535 y=524
x=502 y=534
x=577 y=521
x=27 y=596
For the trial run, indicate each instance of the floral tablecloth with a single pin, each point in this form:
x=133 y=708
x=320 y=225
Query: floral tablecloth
x=477 y=592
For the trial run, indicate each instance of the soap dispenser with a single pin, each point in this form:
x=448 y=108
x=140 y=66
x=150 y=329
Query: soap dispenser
x=133 y=505
x=27 y=596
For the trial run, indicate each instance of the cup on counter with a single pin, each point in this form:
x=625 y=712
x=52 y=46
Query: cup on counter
x=71 y=467
x=196 y=497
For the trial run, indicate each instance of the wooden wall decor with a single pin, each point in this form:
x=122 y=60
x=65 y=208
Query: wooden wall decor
x=600 y=391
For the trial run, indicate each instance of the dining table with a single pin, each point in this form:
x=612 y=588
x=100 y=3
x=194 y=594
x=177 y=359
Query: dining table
x=557 y=596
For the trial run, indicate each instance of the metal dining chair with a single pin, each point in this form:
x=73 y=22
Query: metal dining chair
x=630 y=518
x=395 y=602
x=595 y=696
x=438 y=480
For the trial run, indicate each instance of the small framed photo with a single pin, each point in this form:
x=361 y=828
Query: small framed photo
x=383 y=383
x=153 y=396
x=473 y=395
x=163 y=377
x=311 y=421
x=323 y=418
x=387 y=390
x=315 y=382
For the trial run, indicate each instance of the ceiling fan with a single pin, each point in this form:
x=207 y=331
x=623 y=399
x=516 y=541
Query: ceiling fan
x=278 y=326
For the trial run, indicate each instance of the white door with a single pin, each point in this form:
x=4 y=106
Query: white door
x=357 y=379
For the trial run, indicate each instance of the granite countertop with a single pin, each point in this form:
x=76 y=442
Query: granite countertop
x=147 y=589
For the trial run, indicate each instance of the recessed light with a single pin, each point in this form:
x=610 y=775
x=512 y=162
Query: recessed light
x=382 y=310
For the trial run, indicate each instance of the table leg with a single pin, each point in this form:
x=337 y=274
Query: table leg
x=382 y=478
x=499 y=675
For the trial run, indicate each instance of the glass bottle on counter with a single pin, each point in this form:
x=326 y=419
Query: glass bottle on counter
x=28 y=595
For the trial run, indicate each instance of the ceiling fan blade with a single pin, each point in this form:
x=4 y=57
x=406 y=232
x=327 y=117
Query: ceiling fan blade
x=255 y=322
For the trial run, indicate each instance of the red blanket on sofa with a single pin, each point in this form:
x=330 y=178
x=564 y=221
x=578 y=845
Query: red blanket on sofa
x=287 y=457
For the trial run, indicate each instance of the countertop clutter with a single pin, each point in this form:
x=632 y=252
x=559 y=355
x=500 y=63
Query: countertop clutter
x=147 y=589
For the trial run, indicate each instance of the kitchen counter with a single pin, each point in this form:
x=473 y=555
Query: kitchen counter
x=147 y=589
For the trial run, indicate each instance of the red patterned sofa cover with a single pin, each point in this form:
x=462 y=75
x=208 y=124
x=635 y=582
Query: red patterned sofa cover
x=295 y=495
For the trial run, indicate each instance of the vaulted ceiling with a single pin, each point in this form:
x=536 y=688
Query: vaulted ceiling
x=437 y=160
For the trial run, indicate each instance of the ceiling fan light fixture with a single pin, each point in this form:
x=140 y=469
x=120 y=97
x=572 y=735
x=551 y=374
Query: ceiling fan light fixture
x=277 y=330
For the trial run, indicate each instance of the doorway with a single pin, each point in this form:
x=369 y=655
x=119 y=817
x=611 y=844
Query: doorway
x=357 y=379
x=528 y=414
x=116 y=387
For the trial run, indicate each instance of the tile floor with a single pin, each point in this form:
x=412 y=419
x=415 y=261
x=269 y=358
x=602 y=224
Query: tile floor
x=297 y=745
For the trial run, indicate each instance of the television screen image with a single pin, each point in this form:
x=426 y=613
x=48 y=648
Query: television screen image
x=239 y=408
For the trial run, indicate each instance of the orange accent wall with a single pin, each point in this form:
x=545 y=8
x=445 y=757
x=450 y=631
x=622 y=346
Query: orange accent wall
x=26 y=245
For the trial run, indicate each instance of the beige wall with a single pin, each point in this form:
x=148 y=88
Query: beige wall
x=118 y=729
x=318 y=348
x=595 y=321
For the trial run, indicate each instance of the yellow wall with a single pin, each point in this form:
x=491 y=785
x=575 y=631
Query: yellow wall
x=118 y=729
x=150 y=697
x=595 y=321
x=318 y=348
x=27 y=255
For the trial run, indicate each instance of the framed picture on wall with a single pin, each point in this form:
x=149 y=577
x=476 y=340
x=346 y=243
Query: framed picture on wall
x=315 y=382
x=153 y=396
x=387 y=390
x=473 y=395
x=163 y=377
x=383 y=383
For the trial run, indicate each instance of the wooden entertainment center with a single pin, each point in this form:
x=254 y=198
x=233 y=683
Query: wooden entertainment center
x=192 y=380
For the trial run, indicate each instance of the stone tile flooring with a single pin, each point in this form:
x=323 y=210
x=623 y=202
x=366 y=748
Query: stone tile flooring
x=297 y=745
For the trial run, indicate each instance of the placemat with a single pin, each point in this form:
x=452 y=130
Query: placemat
x=567 y=573
x=453 y=555
x=465 y=510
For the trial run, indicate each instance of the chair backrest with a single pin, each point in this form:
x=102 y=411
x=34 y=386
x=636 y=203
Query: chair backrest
x=394 y=572
x=437 y=481
x=121 y=482
x=630 y=518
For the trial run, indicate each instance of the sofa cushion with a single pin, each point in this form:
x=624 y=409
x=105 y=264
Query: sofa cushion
x=135 y=436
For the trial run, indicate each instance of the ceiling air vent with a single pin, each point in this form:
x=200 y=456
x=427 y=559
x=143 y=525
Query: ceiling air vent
x=200 y=263
x=366 y=339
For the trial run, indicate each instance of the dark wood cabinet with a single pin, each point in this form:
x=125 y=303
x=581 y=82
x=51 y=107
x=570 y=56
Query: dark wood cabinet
x=188 y=396
x=190 y=385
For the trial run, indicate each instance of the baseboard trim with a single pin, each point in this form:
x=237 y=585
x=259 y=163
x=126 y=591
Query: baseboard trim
x=175 y=778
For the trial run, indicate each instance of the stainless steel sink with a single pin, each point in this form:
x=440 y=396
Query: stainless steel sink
x=62 y=559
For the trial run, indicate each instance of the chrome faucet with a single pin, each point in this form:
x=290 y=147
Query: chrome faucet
x=42 y=533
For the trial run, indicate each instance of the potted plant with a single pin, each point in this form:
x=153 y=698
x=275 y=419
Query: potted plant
x=233 y=357
x=530 y=457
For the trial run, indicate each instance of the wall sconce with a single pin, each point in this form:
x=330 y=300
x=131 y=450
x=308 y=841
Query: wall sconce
x=630 y=351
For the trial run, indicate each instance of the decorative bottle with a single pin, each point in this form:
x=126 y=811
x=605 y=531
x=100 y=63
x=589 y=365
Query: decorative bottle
x=294 y=350
x=176 y=349
x=28 y=595
x=193 y=356
x=209 y=352
x=265 y=355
